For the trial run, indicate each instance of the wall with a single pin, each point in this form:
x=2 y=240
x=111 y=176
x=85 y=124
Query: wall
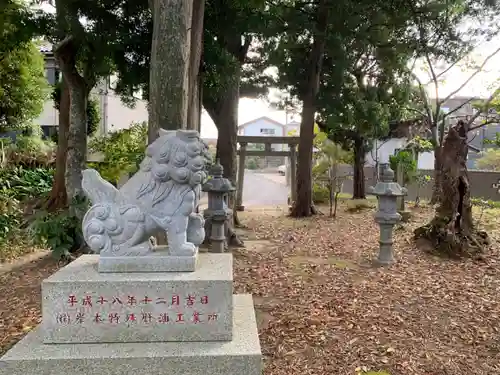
x=426 y=160
x=293 y=127
x=49 y=115
x=253 y=129
x=383 y=149
x=120 y=116
x=482 y=184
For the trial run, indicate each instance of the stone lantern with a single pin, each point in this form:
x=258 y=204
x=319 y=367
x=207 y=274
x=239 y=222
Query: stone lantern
x=387 y=192
x=218 y=211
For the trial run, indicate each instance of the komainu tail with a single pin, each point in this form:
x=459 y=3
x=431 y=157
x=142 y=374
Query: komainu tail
x=97 y=189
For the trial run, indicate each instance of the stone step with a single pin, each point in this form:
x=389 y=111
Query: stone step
x=81 y=305
x=242 y=355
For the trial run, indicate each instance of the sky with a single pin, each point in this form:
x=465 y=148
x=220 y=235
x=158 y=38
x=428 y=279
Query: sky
x=481 y=86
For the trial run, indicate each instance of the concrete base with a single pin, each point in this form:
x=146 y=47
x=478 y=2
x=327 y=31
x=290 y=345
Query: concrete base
x=240 y=356
x=82 y=305
x=156 y=262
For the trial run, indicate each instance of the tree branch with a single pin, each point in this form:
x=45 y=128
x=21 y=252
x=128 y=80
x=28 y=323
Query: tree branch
x=460 y=106
x=478 y=70
x=242 y=53
x=478 y=113
x=426 y=100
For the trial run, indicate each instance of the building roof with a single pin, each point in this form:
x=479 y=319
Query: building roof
x=265 y=118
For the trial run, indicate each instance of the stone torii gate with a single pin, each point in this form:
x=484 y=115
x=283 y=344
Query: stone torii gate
x=291 y=153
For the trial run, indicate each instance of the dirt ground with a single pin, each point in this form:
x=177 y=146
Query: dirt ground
x=324 y=308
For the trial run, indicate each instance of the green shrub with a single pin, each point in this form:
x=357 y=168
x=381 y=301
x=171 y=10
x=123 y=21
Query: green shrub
x=409 y=164
x=485 y=204
x=20 y=183
x=60 y=231
x=10 y=219
x=251 y=164
x=320 y=194
x=123 y=151
x=357 y=205
x=30 y=151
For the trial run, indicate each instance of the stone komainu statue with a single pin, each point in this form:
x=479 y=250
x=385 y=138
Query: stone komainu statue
x=162 y=195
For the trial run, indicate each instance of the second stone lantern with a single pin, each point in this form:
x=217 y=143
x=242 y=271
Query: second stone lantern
x=387 y=192
x=217 y=212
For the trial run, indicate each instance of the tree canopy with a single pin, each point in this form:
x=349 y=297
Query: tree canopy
x=23 y=86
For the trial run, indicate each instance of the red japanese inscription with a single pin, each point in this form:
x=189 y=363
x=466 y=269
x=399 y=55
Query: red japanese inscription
x=131 y=300
x=101 y=300
x=146 y=300
x=72 y=300
x=80 y=318
x=117 y=300
x=204 y=300
x=212 y=317
x=63 y=318
x=114 y=318
x=163 y=318
x=175 y=300
x=87 y=301
x=131 y=317
x=190 y=300
x=180 y=318
x=98 y=318
x=146 y=318
x=160 y=300
x=196 y=317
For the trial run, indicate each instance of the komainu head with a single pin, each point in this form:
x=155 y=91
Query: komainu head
x=178 y=155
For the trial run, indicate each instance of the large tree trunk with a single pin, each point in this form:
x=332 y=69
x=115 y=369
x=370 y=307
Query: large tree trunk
x=436 y=187
x=452 y=231
x=195 y=71
x=225 y=116
x=224 y=112
x=77 y=137
x=169 y=68
x=358 y=181
x=303 y=206
x=58 y=197
x=66 y=53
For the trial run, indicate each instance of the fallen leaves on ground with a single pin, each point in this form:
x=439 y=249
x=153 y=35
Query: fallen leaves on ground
x=20 y=300
x=323 y=308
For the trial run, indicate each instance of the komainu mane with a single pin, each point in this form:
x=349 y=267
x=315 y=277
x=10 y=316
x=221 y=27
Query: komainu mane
x=162 y=195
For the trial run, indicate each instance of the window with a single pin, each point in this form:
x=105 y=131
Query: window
x=49 y=132
x=267 y=131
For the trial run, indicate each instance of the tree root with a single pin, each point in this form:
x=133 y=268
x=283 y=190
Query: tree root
x=295 y=211
x=233 y=239
x=447 y=242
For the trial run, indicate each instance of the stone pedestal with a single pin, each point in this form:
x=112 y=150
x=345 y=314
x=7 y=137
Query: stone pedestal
x=240 y=356
x=148 y=323
x=138 y=308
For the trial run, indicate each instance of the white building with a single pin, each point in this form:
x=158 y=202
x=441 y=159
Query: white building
x=265 y=126
x=382 y=149
x=114 y=114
